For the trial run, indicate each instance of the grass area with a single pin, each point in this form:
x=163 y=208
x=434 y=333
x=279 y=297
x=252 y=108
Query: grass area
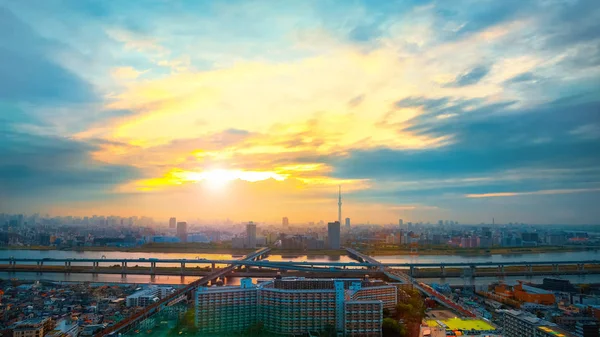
x=463 y=324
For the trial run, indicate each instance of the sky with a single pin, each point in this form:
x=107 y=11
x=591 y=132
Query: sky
x=465 y=110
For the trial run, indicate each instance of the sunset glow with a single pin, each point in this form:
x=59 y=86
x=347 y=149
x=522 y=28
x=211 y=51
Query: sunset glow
x=420 y=110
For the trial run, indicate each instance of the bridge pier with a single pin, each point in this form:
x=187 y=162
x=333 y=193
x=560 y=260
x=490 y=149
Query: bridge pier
x=412 y=271
x=473 y=270
x=530 y=269
x=95 y=265
x=555 y=267
x=581 y=268
x=40 y=264
x=124 y=267
x=182 y=267
x=212 y=267
x=501 y=269
x=152 y=268
x=443 y=270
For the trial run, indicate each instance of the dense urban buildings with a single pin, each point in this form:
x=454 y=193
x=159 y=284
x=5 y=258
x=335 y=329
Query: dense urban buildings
x=291 y=306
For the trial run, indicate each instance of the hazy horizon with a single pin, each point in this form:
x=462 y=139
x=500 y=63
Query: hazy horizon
x=420 y=110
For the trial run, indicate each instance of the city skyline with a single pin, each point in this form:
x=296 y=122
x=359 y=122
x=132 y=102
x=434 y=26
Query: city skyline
x=258 y=110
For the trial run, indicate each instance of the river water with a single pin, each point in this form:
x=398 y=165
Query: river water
x=563 y=256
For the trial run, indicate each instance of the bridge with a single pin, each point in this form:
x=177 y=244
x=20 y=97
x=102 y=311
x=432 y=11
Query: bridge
x=176 y=296
x=365 y=263
x=404 y=278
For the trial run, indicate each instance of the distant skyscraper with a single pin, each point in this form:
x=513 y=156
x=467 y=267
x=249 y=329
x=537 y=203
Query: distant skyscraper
x=251 y=234
x=172 y=223
x=400 y=223
x=340 y=206
x=347 y=223
x=182 y=231
x=285 y=221
x=333 y=235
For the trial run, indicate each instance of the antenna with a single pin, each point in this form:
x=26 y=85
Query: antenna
x=340 y=206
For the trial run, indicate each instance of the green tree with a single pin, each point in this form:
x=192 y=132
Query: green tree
x=257 y=329
x=330 y=331
x=391 y=327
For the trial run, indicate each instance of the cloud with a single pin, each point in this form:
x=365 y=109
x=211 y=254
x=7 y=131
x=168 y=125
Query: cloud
x=587 y=131
x=523 y=77
x=542 y=192
x=470 y=78
x=28 y=71
x=42 y=167
x=408 y=104
x=126 y=73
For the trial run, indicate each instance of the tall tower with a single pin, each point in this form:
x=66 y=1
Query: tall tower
x=340 y=205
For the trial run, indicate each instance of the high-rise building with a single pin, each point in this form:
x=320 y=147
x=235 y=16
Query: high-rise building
x=333 y=235
x=285 y=221
x=172 y=223
x=182 y=231
x=340 y=206
x=400 y=223
x=362 y=318
x=251 y=234
x=296 y=306
x=348 y=224
x=227 y=309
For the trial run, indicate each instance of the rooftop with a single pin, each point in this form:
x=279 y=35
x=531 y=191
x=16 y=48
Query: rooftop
x=555 y=331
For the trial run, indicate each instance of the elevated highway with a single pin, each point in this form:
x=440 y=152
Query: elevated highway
x=176 y=296
x=422 y=287
x=278 y=264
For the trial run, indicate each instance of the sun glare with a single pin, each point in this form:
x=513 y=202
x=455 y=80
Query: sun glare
x=220 y=177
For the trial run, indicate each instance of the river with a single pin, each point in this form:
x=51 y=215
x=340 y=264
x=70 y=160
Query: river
x=562 y=256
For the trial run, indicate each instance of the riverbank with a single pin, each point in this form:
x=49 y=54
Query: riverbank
x=153 y=248
x=480 y=251
x=197 y=248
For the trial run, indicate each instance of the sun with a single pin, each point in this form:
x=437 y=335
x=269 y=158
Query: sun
x=218 y=178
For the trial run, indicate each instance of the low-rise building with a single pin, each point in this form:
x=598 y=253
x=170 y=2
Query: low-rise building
x=33 y=327
x=148 y=296
x=518 y=323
